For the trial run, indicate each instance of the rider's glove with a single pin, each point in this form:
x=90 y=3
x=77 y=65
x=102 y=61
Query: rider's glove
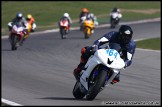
x=94 y=48
x=125 y=65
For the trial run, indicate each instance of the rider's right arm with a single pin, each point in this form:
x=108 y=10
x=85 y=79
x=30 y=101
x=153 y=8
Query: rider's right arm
x=105 y=39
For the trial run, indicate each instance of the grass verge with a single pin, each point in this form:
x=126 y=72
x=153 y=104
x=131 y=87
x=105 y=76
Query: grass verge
x=152 y=43
x=48 y=13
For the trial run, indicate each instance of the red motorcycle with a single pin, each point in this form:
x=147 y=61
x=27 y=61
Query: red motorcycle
x=16 y=36
x=64 y=28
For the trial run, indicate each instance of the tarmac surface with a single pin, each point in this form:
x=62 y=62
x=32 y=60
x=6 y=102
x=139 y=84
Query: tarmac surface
x=41 y=71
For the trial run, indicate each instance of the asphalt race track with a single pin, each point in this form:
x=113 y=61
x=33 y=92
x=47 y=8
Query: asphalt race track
x=41 y=71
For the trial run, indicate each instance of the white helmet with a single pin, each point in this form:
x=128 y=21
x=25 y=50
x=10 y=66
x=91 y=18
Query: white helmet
x=66 y=15
x=92 y=15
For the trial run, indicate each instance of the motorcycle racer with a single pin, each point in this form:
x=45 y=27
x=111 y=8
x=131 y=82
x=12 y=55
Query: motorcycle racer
x=84 y=12
x=66 y=16
x=90 y=17
x=19 y=19
x=122 y=37
x=31 y=21
x=115 y=10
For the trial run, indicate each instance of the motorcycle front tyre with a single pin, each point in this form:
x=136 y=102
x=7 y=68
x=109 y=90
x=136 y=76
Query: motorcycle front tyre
x=13 y=43
x=63 y=33
x=87 y=33
x=98 y=83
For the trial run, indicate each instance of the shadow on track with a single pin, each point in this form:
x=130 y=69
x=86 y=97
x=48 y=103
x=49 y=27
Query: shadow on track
x=62 y=98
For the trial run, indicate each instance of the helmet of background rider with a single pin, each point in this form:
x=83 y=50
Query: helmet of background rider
x=19 y=15
x=114 y=9
x=125 y=34
x=29 y=16
x=66 y=15
x=85 y=10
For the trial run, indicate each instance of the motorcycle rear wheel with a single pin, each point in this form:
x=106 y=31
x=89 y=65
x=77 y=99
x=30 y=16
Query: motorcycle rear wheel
x=77 y=92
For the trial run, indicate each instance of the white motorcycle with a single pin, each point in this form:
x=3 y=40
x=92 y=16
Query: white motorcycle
x=64 y=28
x=16 y=35
x=100 y=70
x=114 y=19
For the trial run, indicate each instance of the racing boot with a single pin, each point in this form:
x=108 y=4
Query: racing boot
x=77 y=71
x=116 y=79
x=83 y=61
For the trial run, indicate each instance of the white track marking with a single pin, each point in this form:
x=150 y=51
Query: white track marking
x=7 y=102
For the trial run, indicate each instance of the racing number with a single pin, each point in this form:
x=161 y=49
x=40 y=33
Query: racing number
x=111 y=52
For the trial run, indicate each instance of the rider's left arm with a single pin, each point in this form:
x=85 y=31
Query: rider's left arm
x=128 y=60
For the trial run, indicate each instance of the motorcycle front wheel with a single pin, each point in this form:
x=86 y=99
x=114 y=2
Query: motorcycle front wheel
x=87 y=33
x=13 y=42
x=63 y=33
x=96 y=87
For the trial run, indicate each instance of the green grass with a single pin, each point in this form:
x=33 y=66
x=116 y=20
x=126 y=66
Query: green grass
x=153 y=43
x=48 y=13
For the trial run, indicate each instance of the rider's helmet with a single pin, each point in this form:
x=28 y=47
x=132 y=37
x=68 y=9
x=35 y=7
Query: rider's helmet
x=125 y=34
x=29 y=16
x=85 y=10
x=114 y=9
x=19 y=15
x=66 y=15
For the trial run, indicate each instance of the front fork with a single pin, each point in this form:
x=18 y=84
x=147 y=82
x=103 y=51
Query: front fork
x=115 y=72
x=111 y=74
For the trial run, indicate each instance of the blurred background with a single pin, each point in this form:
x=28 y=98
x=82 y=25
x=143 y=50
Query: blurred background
x=48 y=13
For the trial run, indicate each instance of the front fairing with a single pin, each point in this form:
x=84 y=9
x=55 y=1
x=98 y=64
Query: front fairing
x=17 y=30
x=88 y=23
x=64 y=23
x=110 y=58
